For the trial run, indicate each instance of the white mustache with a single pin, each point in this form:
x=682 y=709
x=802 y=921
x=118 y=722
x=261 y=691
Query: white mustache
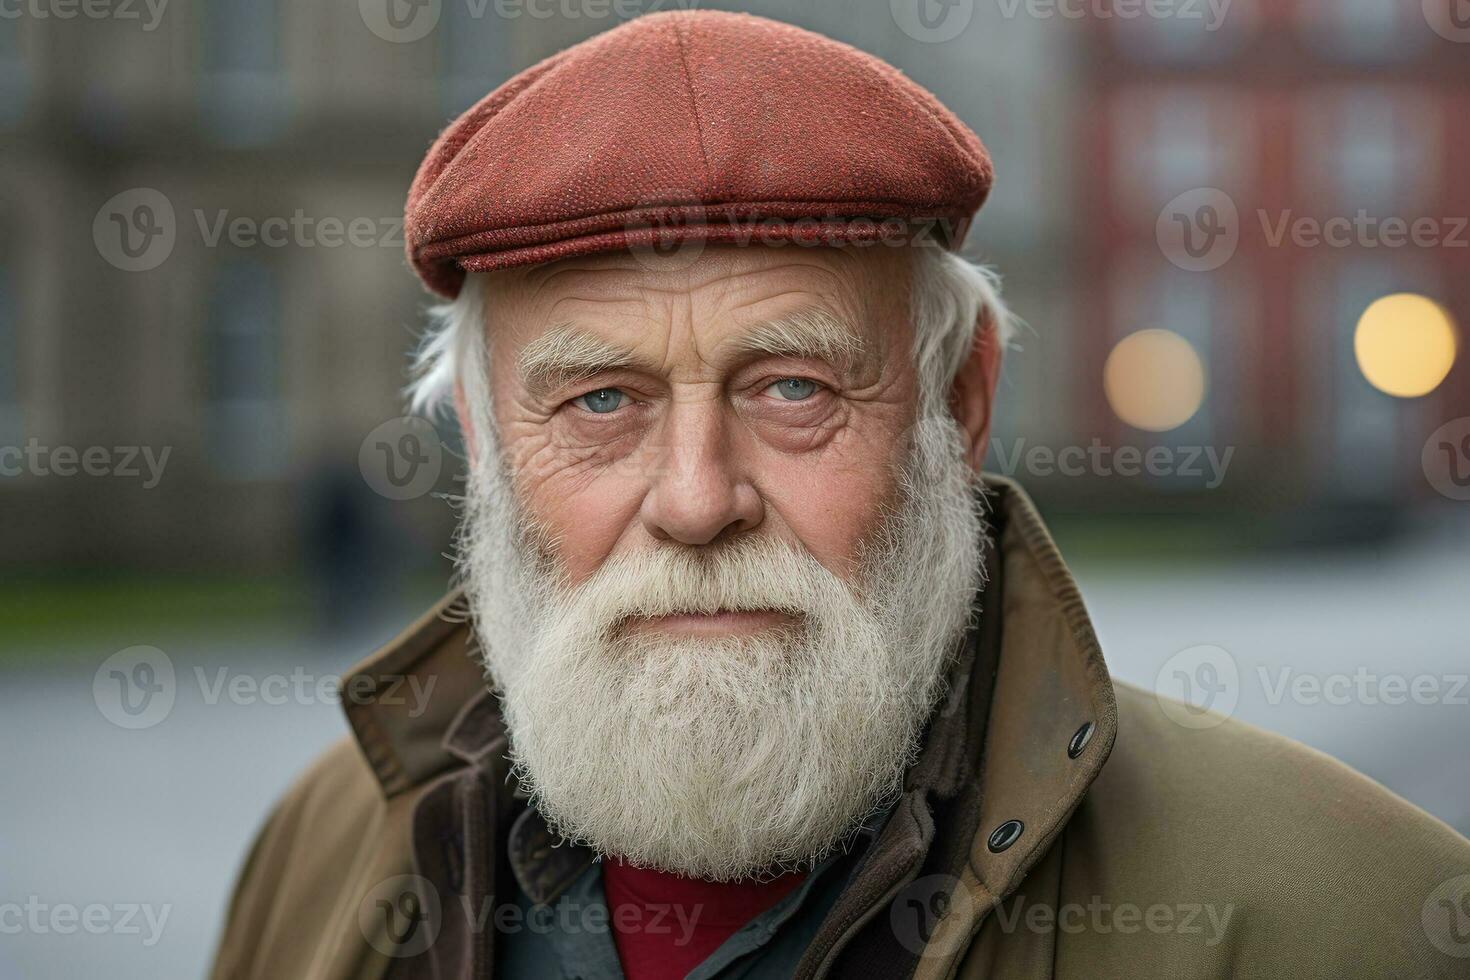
x=753 y=574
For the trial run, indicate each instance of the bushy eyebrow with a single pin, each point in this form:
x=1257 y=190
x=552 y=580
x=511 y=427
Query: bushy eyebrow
x=808 y=333
x=568 y=354
x=565 y=355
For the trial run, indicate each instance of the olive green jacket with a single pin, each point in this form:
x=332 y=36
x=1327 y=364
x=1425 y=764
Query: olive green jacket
x=1056 y=825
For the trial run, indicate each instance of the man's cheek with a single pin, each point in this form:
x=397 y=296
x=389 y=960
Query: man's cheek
x=586 y=509
x=832 y=501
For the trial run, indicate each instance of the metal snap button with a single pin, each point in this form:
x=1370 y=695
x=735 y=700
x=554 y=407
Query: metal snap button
x=1005 y=835
x=1080 y=738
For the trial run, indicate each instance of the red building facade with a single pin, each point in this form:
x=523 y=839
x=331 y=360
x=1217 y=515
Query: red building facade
x=1314 y=153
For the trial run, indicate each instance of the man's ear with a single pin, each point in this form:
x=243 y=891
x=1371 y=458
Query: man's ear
x=973 y=393
x=466 y=423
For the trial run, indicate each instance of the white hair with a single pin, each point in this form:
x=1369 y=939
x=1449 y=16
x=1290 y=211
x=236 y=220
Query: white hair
x=952 y=299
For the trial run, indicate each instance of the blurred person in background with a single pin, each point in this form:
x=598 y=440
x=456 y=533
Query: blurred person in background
x=751 y=673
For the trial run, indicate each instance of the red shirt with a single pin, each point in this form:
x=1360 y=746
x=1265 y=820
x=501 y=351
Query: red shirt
x=664 y=925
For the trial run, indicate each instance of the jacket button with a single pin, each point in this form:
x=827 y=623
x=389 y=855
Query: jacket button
x=1079 y=741
x=1005 y=835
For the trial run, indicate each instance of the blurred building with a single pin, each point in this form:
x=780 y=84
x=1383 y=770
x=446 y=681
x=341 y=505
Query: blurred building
x=266 y=345
x=261 y=359
x=258 y=354
x=1307 y=115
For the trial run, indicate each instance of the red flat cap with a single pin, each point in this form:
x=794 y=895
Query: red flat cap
x=691 y=126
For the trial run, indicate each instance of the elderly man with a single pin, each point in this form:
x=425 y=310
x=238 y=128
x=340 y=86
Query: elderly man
x=751 y=675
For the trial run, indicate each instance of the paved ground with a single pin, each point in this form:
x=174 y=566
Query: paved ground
x=157 y=818
x=1364 y=655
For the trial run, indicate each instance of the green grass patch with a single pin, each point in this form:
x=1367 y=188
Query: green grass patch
x=56 y=615
x=1151 y=540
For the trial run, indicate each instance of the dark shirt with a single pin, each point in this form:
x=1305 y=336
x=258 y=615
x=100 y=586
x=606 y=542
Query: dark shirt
x=572 y=934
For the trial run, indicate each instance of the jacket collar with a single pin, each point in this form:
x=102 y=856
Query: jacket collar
x=1029 y=758
x=404 y=740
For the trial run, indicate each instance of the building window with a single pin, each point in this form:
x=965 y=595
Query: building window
x=11 y=417
x=1369 y=149
x=1171 y=141
x=1364 y=432
x=243 y=89
x=1192 y=33
x=1363 y=425
x=246 y=419
x=1153 y=295
x=15 y=78
x=1364 y=31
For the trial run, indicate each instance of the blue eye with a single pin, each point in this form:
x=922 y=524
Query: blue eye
x=602 y=401
x=794 y=389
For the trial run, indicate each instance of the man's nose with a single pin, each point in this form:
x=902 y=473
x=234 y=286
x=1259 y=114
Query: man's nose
x=698 y=489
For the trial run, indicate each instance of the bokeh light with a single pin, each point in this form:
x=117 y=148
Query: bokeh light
x=1405 y=345
x=1154 y=380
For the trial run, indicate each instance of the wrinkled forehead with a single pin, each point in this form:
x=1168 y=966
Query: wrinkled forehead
x=720 y=292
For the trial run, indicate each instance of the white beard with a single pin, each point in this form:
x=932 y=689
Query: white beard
x=723 y=758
